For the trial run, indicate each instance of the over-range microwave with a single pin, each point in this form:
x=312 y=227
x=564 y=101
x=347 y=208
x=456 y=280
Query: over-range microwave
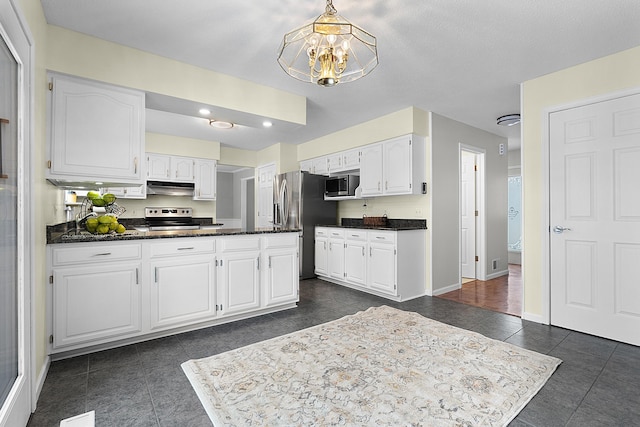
x=344 y=185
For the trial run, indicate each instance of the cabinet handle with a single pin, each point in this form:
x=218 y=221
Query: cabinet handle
x=325 y=246
x=386 y=185
x=378 y=185
x=155 y=275
x=135 y=165
x=186 y=249
x=137 y=277
x=370 y=251
x=380 y=238
x=258 y=265
x=269 y=261
x=102 y=254
x=363 y=251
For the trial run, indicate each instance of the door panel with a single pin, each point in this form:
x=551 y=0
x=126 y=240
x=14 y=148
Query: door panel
x=468 y=214
x=595 y=218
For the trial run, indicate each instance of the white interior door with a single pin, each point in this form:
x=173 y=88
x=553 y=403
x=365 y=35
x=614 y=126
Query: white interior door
x=595 y=218
x=468 y=214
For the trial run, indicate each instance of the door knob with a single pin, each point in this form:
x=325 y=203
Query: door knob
x=558 y=229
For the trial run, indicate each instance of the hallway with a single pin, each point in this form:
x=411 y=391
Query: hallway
x=502 y=294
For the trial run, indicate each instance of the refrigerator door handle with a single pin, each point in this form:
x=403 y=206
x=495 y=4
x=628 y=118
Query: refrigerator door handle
x=276 y=214
x=284 y=203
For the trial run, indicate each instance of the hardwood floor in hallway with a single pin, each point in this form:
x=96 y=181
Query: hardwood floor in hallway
x=503 y=294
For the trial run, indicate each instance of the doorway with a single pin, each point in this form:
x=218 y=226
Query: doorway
x=471 y=213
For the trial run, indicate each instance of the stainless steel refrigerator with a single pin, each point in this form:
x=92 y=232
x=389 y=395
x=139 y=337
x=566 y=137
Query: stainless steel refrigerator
x=298 y=203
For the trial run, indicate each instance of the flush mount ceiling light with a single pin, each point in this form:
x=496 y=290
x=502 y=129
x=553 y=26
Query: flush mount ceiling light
x=219 y=124
x=509 y=120
x=328 y=51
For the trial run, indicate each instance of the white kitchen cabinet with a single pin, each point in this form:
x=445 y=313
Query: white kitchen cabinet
x=138 y=192
x=163 y=167
x=265 y=173
x=320 y=166
x=371 y=178
x=239 y=274
x=321 y=251
x=334 y=163
x=393 y=265
x=281 y=278
x=95 y=132
x=95 y=293
x=205 y=179
x=158 y=167
x=95 y=302
x=382 y=262
x=182 y=290
x=336 y=253
x=351 y=159
x=355 y=257
x=306 y=165
x=393 y=167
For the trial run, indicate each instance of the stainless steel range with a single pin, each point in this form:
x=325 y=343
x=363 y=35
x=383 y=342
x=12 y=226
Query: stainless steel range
x=165 y=219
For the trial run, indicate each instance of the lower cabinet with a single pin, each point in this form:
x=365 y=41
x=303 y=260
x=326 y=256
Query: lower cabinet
x=282 y=269
x=182 y=291
x=239 y=282
x=96 y=302
x=390 y=264
x=321 y=256
x=111 y=291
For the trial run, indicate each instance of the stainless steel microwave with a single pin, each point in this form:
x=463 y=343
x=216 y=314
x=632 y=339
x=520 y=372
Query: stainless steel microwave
x=344 y=185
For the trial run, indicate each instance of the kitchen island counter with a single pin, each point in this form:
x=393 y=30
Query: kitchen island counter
x=62 y=234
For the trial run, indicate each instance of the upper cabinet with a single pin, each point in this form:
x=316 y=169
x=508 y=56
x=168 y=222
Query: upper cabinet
x=393 y=167
x=205 y=179
x=95 y=132
x=163 y=167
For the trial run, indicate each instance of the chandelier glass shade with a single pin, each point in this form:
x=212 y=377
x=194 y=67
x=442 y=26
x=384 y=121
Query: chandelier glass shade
x=328 y=51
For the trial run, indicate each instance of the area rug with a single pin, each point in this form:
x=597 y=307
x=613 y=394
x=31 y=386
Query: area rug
x=382 y=367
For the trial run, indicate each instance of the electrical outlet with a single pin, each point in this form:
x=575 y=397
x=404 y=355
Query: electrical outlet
x=494 y=263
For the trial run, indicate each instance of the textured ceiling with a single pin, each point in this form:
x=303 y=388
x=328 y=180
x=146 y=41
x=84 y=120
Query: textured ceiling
x=463 y=59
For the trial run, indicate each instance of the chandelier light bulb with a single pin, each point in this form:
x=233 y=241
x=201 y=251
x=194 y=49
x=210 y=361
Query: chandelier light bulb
x=331 y=38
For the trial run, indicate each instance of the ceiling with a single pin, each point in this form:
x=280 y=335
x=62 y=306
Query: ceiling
x=463 y=59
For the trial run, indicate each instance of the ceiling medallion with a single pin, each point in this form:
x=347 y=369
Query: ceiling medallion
x=328 y=51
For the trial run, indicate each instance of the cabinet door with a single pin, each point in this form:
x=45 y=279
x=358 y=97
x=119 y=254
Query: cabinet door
x=355 y=266
x=382 y=267
x=265 y=195
x=138 y=192
x=239 y=279
x=307 y=165
x=95 y=303
x=182 y=169
x=205 y=183
x=351 y=159
x=158 y=166
x=182 y=291
x=398 y=172
x=371 y=170
x=321 y=256
x=282 y=276
x=320 y=166
x=96 y=131
x=334 y=162
x=336 y=258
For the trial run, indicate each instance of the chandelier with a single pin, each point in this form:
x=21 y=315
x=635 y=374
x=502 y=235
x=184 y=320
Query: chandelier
x=328 y=51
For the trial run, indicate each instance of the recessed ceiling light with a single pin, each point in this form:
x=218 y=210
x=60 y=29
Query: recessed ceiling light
x=267 y=124
x=219 y=124
x=204 y=112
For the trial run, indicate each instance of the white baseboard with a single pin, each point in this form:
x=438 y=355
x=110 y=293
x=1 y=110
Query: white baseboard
x=41 y=379
x=446 y=289
x=497 y=274
x=534 y=318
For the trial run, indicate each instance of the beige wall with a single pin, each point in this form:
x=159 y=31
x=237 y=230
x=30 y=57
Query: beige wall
x=609 y=74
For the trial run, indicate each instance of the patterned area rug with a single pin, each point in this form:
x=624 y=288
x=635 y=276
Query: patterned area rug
x=382 y=367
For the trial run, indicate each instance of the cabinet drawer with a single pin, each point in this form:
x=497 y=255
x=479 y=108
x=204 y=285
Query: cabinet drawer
x=239 y=243
x=183 y=247
x=95 y=253
x=336 y=233
x=288 y=240
x=382 y=237
x=359 y=235
x=322 y=232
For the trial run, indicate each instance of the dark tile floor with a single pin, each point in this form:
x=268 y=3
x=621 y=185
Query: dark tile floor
x=143 y=384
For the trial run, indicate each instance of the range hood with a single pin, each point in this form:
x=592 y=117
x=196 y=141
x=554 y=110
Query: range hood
x=166 y=188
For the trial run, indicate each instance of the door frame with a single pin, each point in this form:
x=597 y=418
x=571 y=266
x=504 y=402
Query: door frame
x=22 y=398
x=546 y=196
x=481 y=243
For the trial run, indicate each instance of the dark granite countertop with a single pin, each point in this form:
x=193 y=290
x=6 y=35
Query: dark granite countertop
x=66 y=233
x=392 y=224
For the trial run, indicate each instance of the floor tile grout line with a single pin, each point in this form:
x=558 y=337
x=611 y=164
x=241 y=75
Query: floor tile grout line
x=146 y=383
